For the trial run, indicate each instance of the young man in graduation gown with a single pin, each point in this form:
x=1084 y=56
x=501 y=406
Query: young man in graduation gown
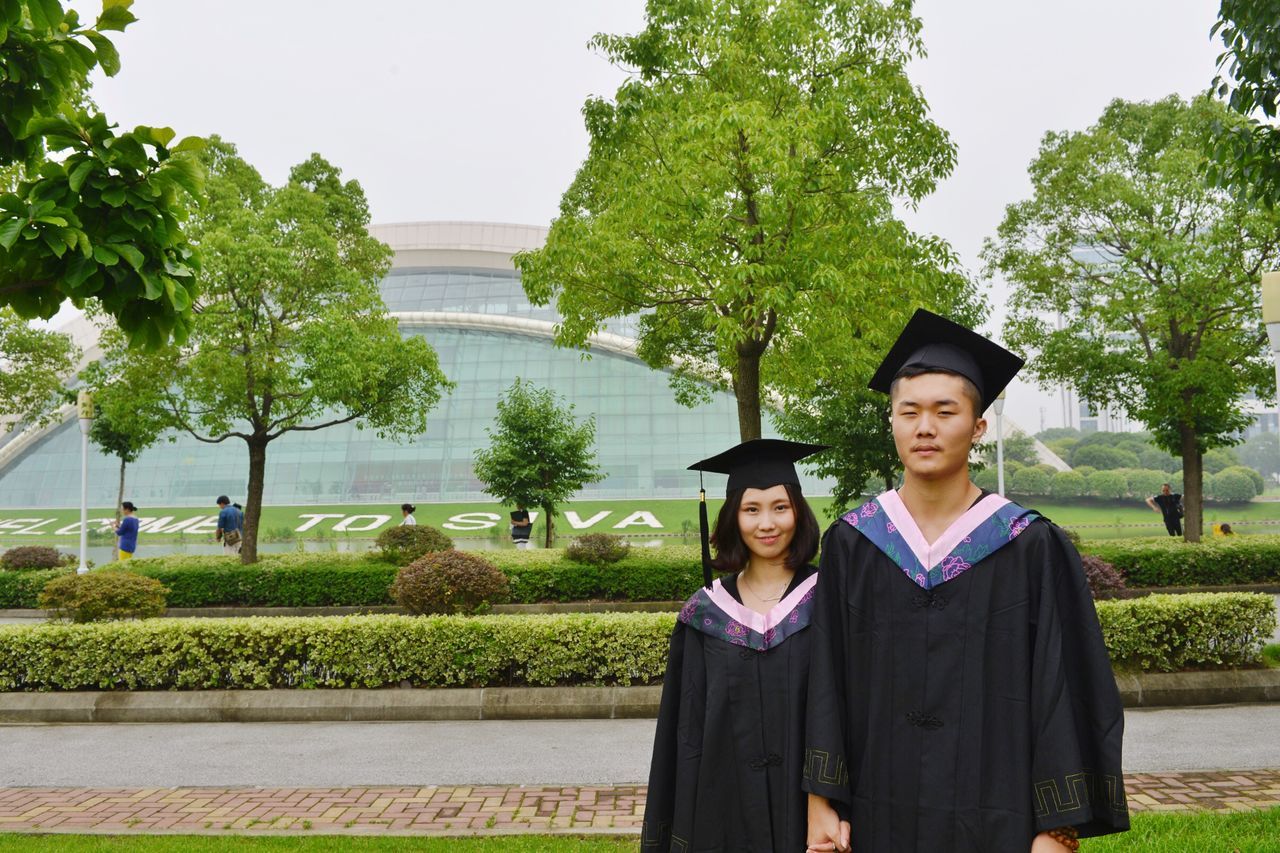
x=961 y=697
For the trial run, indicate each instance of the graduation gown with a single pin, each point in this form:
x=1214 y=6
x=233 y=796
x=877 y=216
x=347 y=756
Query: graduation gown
x=961 y=697
x=726 y=763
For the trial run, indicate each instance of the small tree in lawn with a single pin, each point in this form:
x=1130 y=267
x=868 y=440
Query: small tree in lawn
x=124 y=425
x=539 y=454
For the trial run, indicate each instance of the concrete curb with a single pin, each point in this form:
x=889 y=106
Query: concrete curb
x=1151 y=690
x=1182 y=689
x=268 y=706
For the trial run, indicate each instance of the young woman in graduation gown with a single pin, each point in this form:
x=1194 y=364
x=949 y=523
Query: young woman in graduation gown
x=726 y=759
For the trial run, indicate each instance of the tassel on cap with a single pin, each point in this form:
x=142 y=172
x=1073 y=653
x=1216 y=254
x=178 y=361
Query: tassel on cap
x=705 y=529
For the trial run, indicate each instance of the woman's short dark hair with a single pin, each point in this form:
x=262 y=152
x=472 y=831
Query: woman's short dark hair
x=408 y=507
x=732 y=553
x=129 y=506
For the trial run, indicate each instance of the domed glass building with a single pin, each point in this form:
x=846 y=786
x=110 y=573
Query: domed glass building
x=452 y=283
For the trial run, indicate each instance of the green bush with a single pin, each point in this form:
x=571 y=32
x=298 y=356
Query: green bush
x=597 y=549
x=1109 y=485
x=1158 y=632
x=1067 y=484
x=1259 y=482
x=403 y=544
x=449 y=581
x=1167 y=633
x=1231 y=486
x=34 y=557
x=1029 y=481
x=988 y=478
x=22 y=589
x=103 y=595
x=1144 y=483
x=1166 y=561
x=1103 y=458
x=1084 y=470
x=670 y=573
x=339 y=651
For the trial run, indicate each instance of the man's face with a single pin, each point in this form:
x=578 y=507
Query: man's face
x=1165 y=490
x=934 y=425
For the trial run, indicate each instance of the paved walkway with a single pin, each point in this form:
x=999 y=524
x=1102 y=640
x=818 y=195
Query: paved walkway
x=468 y=810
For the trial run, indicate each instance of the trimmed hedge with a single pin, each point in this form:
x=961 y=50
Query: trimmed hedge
x=1167 y=633
x=1172 y=562
x=338 y=651
x=670 y=573
x=22 y=589
x=1158 y=632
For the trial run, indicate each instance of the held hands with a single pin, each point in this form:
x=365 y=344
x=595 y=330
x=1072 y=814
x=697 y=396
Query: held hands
x=1046 y=843
x=827 y=832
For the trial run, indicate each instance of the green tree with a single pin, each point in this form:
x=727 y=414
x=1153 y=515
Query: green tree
x=1018 y=447
x=1248 y=154
x=125 y=422
x=290 y=333
x=539 y=454
x=33 y=364
x=1154 y=273
x=738 y=193
x=101 y=219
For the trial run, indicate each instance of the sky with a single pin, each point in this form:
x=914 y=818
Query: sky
x=471 y=111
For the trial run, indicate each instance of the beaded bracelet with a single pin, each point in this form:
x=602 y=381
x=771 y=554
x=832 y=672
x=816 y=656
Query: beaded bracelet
x=1067 y=836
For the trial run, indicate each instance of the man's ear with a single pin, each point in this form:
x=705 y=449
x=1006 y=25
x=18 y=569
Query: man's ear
x=979 y=429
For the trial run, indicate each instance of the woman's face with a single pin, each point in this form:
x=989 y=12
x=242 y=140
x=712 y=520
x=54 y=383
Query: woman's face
x=767 y=521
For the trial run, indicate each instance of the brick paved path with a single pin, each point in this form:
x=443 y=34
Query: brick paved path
x=467 y=810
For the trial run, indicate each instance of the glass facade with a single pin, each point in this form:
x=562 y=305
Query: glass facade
x=644 y=439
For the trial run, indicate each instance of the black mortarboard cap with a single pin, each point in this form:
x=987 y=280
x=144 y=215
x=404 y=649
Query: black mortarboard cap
x=761 y=463
x=933 y=342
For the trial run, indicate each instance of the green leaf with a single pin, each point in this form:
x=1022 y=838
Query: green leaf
x=114 y=196
x=78 y=175
x=188 y=143
x=130 y=253
x=105 y=256
x=159 y=135
x=9 y=232
x=114 y=17
x=108 y=56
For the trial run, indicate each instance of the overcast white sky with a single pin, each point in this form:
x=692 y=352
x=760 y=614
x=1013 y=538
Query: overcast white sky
x=470 y=110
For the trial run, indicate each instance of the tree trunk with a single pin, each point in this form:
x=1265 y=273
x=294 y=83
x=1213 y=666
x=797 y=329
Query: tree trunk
x=746 y=387
x=1192 y=485
x=115 y=551
x=253 y=500
x=548 y=513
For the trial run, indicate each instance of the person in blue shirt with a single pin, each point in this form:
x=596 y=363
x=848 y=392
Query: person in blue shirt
x=127 y=530
x=230 y=525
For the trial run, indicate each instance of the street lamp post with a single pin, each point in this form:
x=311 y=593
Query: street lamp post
x=1271 y=316
x=998 y=405
x=84 y=404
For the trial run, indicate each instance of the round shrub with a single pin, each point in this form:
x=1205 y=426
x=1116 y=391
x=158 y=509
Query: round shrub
x=988 y=478
x=1144 y=482
x=1084 y=470
x=449 y=582
x=404 y=544
x=1259 y=482
x=597 y=549
x=1109 y=485
x=102 y=595
x=1067 y=484
x=1029 y=481
x=29 y=557
x=1104 y=580
x=1232 y=486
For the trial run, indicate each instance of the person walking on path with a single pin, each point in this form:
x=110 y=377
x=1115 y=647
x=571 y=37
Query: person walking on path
x=407 y=510
x=960 y=693
x=230 y=526
x=1169 y=504
x=127 y=531
x=727 y=753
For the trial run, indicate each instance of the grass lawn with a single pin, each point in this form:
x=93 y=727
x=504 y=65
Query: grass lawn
x=1271 y=655
x=1244 y=832
x=1094 y=520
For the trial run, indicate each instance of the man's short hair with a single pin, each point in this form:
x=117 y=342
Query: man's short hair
x=129 y=506
x=223 y=500
x=970 y=390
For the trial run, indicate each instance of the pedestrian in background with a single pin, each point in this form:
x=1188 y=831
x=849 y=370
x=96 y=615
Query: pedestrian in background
x=1169 y=504
x=407 y=510
x=230 y=526
x=127 y=531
